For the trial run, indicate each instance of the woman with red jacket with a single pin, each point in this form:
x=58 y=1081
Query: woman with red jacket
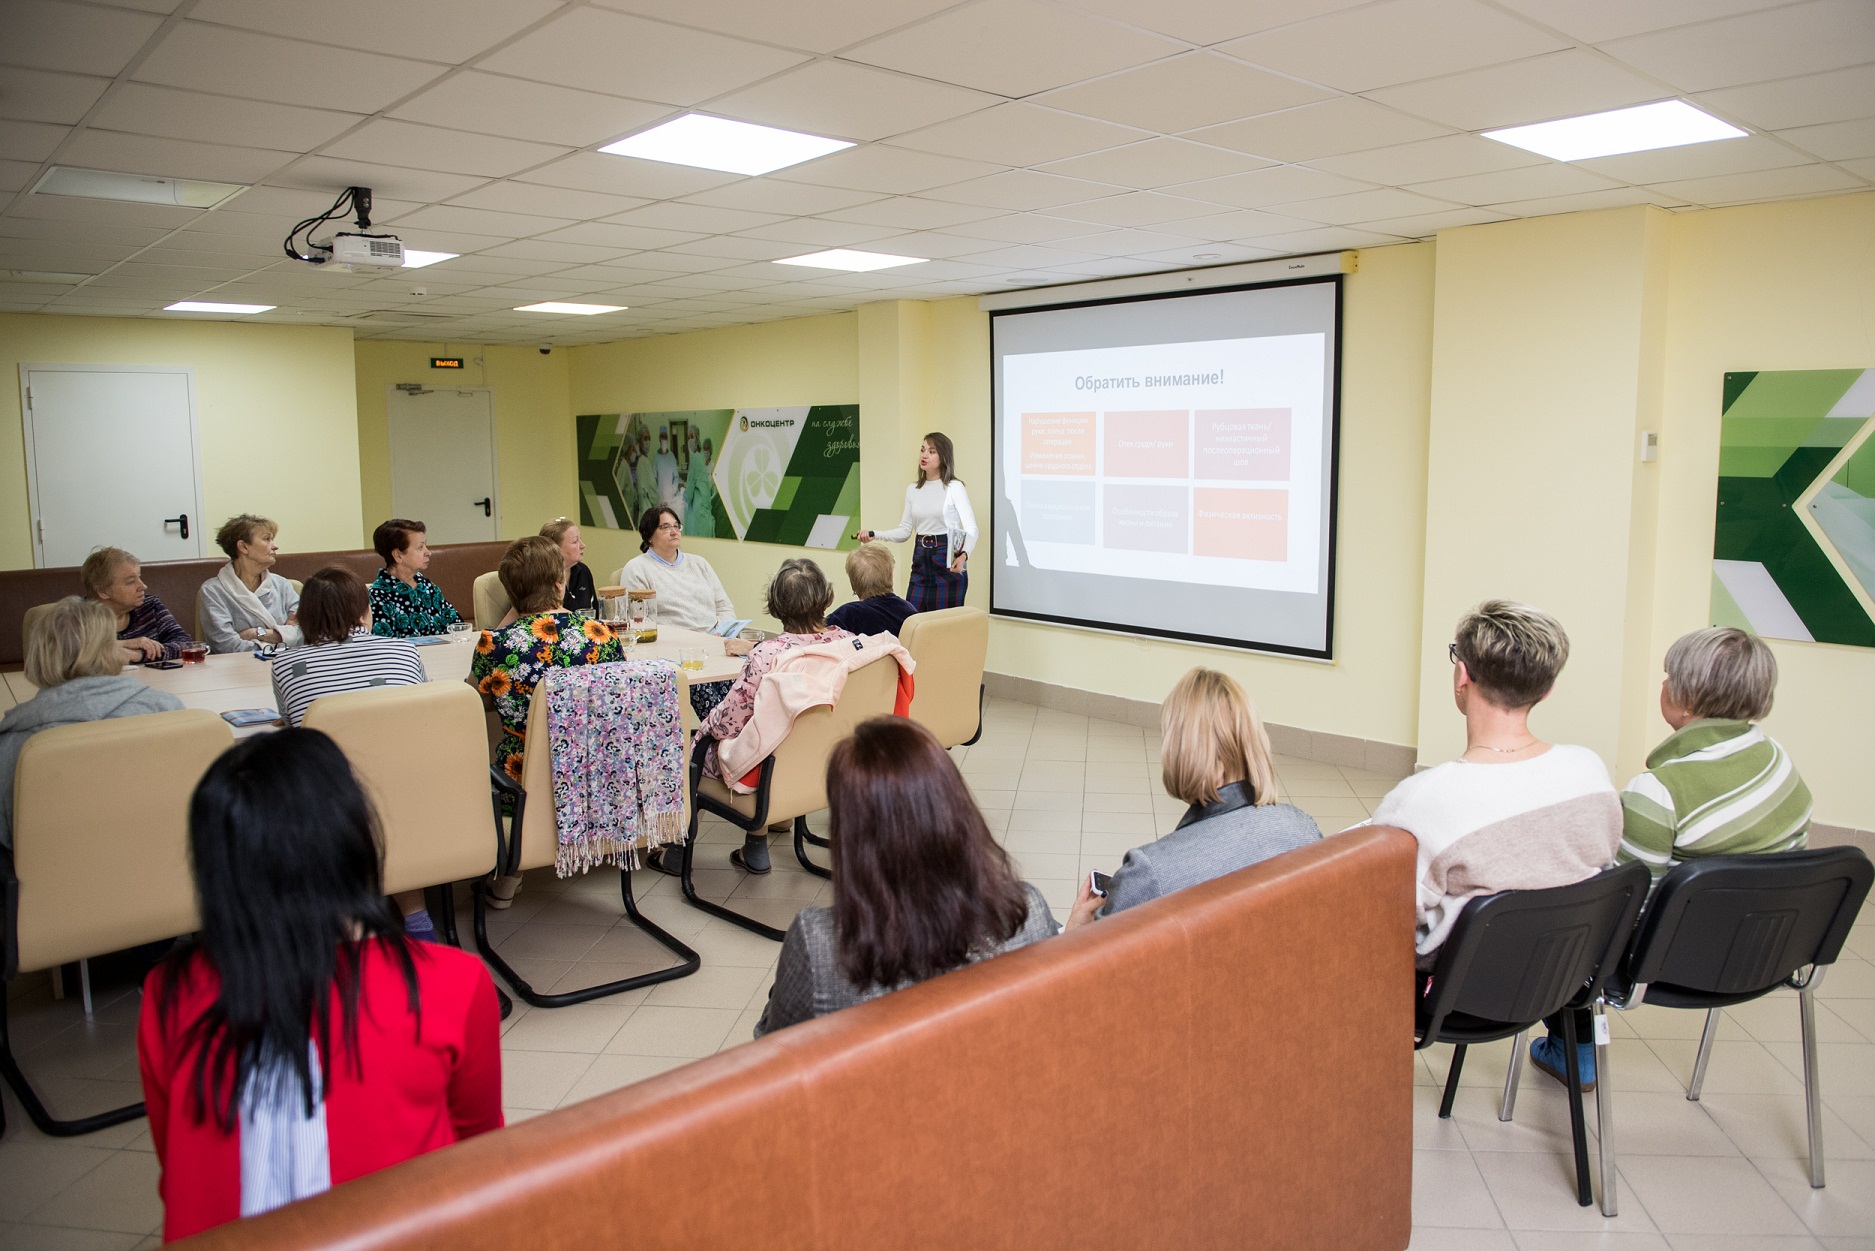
x=304 y=1040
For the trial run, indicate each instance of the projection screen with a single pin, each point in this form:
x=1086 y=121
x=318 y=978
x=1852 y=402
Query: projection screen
x=1165 y=465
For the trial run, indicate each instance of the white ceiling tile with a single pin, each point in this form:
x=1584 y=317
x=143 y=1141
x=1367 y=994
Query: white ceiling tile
x=1158 y=162
x=1394 y=42
x=455 y=241
x=1018 y=228
x=105 y=212
x=14 y=175
x=332 y=175
x=1131 y=242
x=142 y=109
x=847 y=101
x=1208 y=254
x=1317 y=130
x=1277 y=185
x=1425 y=225
x=1698 y=160
x=1133 y=208
x=1529 y=183
x=1754 y=47
x=936 y=244
x=620 y=236
x=532 y=198
x=1764 y=184
x=1211 y=21
x=694 y=218
x=1589 y=201
x=885 y=169
x=1184 y=93
x=507 y=266
x=1018 y=134
x=521 y=109
x=433 y=30
x=393 y=142
x=262 y=67
x=1807 y=100
x=625 y=175
x=1022 y=189
x=1447 y=157
x=1111 y=267
x=1596 y=21
x=29 y=95
x=912 y=213
x=171 y=158
x=1012 y=47
x=767 y=195
x=736 y=247
x=823 y=26
x=1863 y=169
x=1535 y=89
x=1326 y=239
x=547 y=250
x=619 y=54
x=1241 y=224
x=1835 y=141
x=39 y=34
x=30 y=141
x=453 y=217
x=80 y=232
x=1030 y=256
x=1363 y=206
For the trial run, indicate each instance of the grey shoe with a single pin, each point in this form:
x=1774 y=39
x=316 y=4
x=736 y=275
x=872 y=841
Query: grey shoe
x=752 y=856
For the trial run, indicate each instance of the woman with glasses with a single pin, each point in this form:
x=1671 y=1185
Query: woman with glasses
x=690 y=595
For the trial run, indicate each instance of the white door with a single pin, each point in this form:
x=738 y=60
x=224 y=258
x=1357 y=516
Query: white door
x=111 y=460
x=443 y=462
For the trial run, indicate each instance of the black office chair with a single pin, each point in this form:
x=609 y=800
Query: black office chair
x=1725 y=930
x=1518 y=956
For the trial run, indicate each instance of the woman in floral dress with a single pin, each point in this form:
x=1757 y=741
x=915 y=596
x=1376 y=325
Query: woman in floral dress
x=512 y=659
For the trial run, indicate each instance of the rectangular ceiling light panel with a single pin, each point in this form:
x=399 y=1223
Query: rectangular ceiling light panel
x=97 y=184
x=1666 y=124
x=851 y=261
x=414 y=259
x=720 y=144
x=207 y=306
x=562 y=306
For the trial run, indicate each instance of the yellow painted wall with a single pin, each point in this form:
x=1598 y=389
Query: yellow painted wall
x=533 y=426
x=276 y=417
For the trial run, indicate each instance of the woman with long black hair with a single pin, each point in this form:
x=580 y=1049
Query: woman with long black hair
x=941 y=525
x=304 y=1040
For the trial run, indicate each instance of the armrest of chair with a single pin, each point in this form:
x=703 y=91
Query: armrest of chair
x=9 y=917
x=507 y=840
x=699 y=801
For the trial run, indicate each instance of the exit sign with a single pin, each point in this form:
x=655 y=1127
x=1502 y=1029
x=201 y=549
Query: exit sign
x=445 y=362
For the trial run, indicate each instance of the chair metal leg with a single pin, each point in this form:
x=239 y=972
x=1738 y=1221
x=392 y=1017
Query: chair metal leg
x=803 y=836
x=691 y=961
x=1706 y=1038
x=1812 y=1080
x=84 y=983
x=1605 y=1112
x=29 y=1098
x=688 y=883
x=1513 y=1076
x=1578 y=1128
x=982 y=695
x=1451 y=1081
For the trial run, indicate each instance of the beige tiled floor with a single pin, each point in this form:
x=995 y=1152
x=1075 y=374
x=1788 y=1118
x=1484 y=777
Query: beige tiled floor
x=1066 y=795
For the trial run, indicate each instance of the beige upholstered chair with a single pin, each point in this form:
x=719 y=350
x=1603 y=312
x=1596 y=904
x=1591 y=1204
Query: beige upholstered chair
x=950 y=646
x=537 y=846
x=491 y=601
x=793 y=780
x=86 y=888
x=29 y=622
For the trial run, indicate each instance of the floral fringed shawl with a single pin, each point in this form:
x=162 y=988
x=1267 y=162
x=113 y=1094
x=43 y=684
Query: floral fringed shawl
x=616 y=736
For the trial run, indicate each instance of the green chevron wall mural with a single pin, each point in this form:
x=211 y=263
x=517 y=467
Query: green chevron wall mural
x=766 y=475
x=1793 y=555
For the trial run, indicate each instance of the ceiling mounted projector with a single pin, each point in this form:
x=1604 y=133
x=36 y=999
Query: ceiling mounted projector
x=348 y=249
x=373 y=251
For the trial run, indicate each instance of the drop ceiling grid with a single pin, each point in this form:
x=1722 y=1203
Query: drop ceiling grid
x=1014 y=142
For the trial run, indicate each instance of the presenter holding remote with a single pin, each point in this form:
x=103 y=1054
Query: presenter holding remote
x=943 y=529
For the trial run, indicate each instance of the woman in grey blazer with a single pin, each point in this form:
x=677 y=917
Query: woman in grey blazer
x=1217 y=759
x=919 y=885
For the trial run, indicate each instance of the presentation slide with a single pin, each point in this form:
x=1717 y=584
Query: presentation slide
x=1165 y=465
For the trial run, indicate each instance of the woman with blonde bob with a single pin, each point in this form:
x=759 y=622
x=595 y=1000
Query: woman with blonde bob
x=73 y=657
x=1217 y=760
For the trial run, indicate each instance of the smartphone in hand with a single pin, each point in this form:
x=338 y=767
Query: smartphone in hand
x=1099 y=883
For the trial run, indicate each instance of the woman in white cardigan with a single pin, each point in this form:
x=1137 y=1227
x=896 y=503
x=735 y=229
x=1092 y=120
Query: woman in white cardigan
x=246 y=605
x=938 y=519
x=689 y=592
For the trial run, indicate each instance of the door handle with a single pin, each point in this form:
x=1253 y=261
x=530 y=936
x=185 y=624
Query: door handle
x=182 y=521
x=486 y=504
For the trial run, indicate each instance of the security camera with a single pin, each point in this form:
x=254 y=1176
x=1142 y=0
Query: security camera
x=546 y=349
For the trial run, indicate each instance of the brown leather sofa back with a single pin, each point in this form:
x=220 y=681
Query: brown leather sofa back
x=453 y=567
x=1228 y=1067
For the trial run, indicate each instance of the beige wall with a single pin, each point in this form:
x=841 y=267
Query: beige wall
x=276 y=417
x=533 y=430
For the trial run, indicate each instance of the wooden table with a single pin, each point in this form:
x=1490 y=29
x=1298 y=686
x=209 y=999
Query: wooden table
x=237 y=680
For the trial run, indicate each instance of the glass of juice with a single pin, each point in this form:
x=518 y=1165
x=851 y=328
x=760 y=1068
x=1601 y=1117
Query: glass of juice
x=194 y=652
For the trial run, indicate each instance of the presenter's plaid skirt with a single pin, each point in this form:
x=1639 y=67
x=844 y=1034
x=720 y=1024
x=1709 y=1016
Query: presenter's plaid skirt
x=933 y=585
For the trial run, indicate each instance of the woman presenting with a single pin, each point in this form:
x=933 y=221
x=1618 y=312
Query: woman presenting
x=937 y=513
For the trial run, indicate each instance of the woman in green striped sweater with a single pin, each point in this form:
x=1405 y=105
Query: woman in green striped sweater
x=1718 y=786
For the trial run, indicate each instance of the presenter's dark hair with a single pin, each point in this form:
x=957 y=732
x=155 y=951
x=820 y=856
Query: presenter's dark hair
x=394 y=536
x=649 y=523
x=288 y=866
x=919 y=885
x=947 y=458
x=331 y=605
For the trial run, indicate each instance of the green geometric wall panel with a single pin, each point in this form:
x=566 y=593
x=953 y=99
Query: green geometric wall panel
x=1780 y=434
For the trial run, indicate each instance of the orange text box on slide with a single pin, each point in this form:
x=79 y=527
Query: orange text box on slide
x=1058 y=443
x=1244 y=443
x=1240 y=524
x=1147 y=444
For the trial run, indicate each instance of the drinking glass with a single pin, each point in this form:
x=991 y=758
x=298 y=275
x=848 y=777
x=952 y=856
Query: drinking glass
x=194 y=652
x=461 y=631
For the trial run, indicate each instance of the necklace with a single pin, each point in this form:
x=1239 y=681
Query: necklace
x=1505 y=750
